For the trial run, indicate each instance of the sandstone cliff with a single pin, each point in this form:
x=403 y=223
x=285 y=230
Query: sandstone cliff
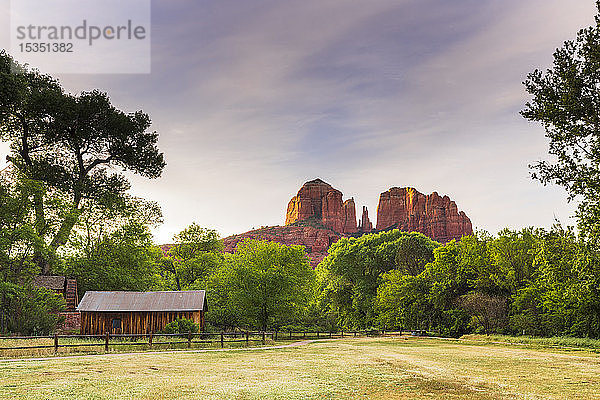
x=316 y=218
x=435 y=216
x=349 y=217
x=316 y=240
x=319 y=200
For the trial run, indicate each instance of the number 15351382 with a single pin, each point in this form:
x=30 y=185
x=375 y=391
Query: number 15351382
x=46 y=47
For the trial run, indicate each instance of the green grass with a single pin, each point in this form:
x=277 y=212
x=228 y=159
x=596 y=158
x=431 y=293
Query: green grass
x=363 y=368
x=557 y=341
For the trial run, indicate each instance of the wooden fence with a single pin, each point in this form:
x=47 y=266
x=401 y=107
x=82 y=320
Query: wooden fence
x=108 y=340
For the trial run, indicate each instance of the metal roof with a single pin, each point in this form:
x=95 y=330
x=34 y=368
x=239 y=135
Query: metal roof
x=189 y=300
x=49 y=282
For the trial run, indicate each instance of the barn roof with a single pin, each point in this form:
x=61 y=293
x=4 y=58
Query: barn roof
x=190 y=300
x=49 y=282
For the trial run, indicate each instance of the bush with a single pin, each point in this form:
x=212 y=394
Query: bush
x=181 y=325
x=29 y=310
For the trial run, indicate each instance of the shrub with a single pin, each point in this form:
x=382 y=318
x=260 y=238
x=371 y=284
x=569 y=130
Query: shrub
x=181 y=325
x=29 y=310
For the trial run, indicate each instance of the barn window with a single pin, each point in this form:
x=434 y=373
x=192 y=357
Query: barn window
x=116 y=323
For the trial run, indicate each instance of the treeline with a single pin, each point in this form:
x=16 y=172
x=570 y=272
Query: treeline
x=533 y=281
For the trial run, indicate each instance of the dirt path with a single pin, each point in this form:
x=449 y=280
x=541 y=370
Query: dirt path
x=282 y=346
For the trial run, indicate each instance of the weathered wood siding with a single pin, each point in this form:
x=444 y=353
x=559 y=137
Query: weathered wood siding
x=98 y=323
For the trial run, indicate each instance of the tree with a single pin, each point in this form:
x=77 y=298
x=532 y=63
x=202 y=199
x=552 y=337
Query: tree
x=566 y=101
x=222 y=310
x=18 y=240
x=121 y=260
x=488 y=312
x=513 y=252
x=269 y=282
x=71 y=145
x=413 y=252
x=403 y=301
x=351 y=273
x=196 y=253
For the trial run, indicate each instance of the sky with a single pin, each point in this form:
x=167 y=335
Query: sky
x=252 y=98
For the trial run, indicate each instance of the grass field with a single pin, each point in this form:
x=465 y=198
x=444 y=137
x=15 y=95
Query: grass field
x=365 y=368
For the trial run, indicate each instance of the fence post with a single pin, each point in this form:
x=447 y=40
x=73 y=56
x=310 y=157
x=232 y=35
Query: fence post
x=329 y=334
x=290 y=334
x=317 y=334
x=221 y=339
x=106 y=338
x=189 y=339
x=150 y=339
x=247 y=338
x=263 y=337
x=304 y=335
x=55 y=343
x=354 y=333
x=342 y=333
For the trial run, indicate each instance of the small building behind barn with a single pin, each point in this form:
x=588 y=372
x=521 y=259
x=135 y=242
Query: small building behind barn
x=139 y=312
x=61 y=285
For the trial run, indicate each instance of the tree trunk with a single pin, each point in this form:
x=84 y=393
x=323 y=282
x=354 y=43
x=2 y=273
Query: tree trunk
x=62 y=236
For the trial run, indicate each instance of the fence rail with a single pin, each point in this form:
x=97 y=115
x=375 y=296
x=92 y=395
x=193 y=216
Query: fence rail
x=113 y=340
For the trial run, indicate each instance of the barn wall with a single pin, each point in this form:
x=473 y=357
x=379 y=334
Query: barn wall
x=98 y=323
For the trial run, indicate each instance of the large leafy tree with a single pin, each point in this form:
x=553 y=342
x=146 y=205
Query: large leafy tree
x=74 y=145
x=121 y=258
x=566 y=101
x=351 y=273
x=268 y=283
x=402 y=301
x=187 y=264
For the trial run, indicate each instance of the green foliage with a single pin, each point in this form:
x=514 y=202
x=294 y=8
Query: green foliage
x=18 y=238
x=63 y=201
x=222 y=309
x=181 y=325
x=488 y=312
x=29 y=310
x=263 y=285
x=533 y=281
x=566 y=102
x=122 y=260
x=197 y=252
x=400 y=302
x=351 y=273
x=71 y=145
x=413 y=252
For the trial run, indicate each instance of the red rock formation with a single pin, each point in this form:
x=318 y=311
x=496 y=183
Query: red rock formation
x=435 y=216
x=315 y=240
x=317 y=218
x=365 y=225
x=319 y=200
x=349 y=217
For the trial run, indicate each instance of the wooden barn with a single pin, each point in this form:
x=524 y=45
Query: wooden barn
x=139 y=312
